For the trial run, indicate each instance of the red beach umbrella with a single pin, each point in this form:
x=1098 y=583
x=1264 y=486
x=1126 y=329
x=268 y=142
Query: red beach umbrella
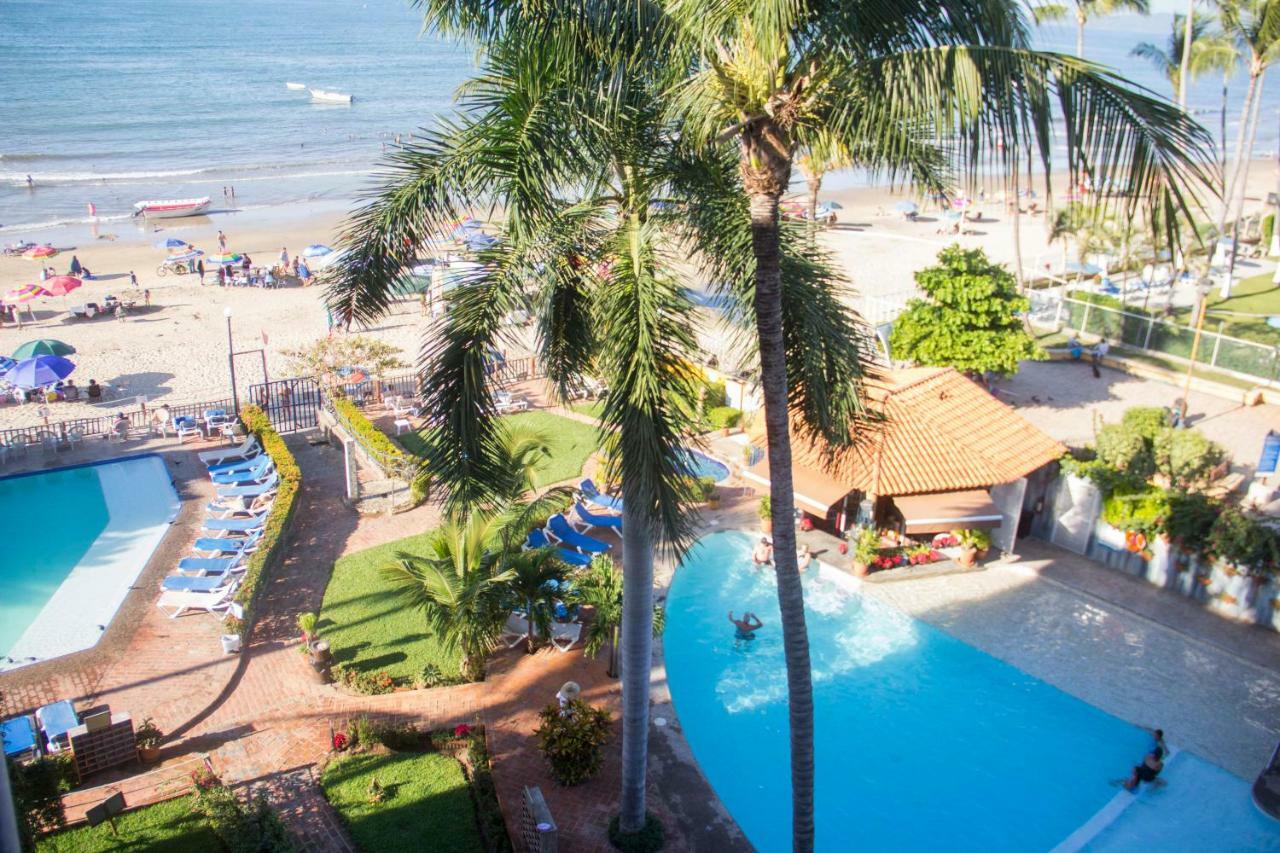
x=61 y=285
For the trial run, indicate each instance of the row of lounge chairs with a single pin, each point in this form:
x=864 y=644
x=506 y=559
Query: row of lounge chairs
x=207 y=580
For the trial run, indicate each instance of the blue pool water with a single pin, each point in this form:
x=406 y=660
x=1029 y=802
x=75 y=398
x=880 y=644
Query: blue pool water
x=77 y=538
x=699 y=464
x=922 y=741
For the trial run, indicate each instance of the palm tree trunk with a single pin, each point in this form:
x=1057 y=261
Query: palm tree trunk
x=1184 y=70
x=766 y=170
x=815 y=186
x=528 y=640
x=1235 y=166
x=637 y=658
x=1238 y=210
x=1222 y=129
x=613 y=654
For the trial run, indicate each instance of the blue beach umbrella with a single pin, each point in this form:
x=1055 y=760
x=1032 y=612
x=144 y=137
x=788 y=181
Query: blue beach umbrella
x=39 y=371
x=316 y=250
x=171 y=243
x=906 y=207
x=6 y=363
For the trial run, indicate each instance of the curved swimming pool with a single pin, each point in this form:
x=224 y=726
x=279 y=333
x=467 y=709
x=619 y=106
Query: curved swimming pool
x=922 y=741
x=698 y=464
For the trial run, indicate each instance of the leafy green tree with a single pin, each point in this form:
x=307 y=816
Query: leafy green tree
x=599 y=586
x=969 y=320
x=534 y=579
x=1185 y=456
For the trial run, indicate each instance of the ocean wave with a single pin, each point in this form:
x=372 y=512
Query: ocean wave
x=21 y=227
x=223 y=173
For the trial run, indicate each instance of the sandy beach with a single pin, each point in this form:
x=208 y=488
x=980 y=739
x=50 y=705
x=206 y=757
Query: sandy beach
x=176 y=351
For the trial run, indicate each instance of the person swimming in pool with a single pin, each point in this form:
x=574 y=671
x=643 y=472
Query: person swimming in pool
x=763 y=553
x=746 y=626
x=1147 y=771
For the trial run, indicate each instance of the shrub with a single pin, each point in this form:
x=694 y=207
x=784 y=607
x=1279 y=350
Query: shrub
x=364 y=683
x=148 y=734
x=488 y=809
x=1185 y=456
x=1247 y=544
x=649 y=839
x=1145 y=421
x=382 y=446
x=262 y=561
x=570 y=740
x=242 y=828
x=1082 y=463
x=362 y=732
x=766 y=508
x=715 y=397
x=1268 y=228
x=37 y=789
x=706 y=487
x=723 y=417
x=1143 y=511
x=431 y=676
x=401 y=737
x=977 y=539
x=1125 y=450
x=866 y=546
x=1190 y=520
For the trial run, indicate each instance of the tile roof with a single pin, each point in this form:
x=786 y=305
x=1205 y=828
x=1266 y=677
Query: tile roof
x=938 y=432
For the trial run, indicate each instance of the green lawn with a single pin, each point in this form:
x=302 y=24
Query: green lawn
x=426 y=805
x=168 y=826
x=1255 y=295
x=590 y=408
x=367 y=627
x=571 y=442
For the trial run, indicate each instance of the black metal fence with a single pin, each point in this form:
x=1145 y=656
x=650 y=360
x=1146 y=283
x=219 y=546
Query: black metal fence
x=292 y=404
x=100 y=425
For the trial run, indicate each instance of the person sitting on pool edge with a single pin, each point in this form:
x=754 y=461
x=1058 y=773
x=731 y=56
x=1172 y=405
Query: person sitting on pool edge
x=746 y=628
x=763 y=553
x=1147 y=771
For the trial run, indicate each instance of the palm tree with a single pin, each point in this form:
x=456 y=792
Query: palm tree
x=599 y=586
x=1084 y=10
x=564 y=131
x=824 y=155
x=534 y=581
x=1169 y=60
x=1255 y=26
x=887 y=80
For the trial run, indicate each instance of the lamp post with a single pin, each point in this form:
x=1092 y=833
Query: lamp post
x=231 y=363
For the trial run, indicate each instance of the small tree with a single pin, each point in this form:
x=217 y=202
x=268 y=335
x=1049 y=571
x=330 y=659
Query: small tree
x=326 y=356
x=969 y=319
x=570 y=739
x=599 y=586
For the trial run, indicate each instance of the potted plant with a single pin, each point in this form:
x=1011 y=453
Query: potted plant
x=307 y=625
x=148 y=737
x=710 y=494
x=766 y=515
x=865 y=548
x=973 y=544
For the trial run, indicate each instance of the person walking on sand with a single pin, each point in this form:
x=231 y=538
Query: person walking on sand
x=133 y=279
x=222 y=242
x=200 y=269
x=146 y=297
x=284 y=256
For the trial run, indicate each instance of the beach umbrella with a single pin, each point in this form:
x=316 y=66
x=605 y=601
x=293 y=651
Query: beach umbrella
x=39 y=371
x=906 y=207
x=42 y=346
x=480 y=240
x=316 y=250
x=1083 y=269
x=833 y=205
x=961 y=203
x=25 y=293
x=61 y=285
x=45 y=251
x=172 y=243
x=6 y=363
x=225 y=258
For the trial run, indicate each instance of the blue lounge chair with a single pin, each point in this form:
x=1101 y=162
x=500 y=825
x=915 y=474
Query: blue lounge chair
x=558 y=526
x=56 y=720
x=209 y=565
x=229 y=545
x=260 y=473
x=538 y=539
x=19 y=736
x=599 y=498
x=185 y=583
x=235 y=525
x=270 y=485
x=587 y=517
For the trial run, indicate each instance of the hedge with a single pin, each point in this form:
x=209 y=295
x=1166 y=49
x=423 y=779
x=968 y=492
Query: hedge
x=265 y=558
x=378 y=441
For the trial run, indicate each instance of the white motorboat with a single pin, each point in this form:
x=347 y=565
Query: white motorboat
x=171 y=208
x=329 y=97
x=297 y=87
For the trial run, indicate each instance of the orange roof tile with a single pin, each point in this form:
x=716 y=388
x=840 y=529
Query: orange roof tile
x=939 y=432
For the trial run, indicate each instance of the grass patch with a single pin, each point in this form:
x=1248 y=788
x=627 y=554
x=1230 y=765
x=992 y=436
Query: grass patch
x=367 y=627
x=571 y=443
x=168 y=826
x=590 y=408
x=1256 y=295
x=426 y=803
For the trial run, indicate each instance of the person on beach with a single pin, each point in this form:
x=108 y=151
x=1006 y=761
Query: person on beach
x=133 y=279
x=302 y=271
x=1099 y=352
x=284 y=256
x=200 y=270
x=30 y=183
x=222 y=242
x=146 y=297
x=222 y=276
x=74 y=269
x=293 y=268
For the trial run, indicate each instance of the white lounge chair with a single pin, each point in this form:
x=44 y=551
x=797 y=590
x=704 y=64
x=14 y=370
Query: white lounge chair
x=514 y=632
x=565 y=634
x=180 y=601
x=247 y=450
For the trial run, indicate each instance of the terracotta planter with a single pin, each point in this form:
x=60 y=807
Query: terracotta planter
x=968 y=556
x=148 y=754
x=713 y=502
x=766 y=526
x=860 y=569
x=724 y=431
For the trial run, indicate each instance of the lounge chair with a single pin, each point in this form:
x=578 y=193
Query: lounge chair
x=19 y=737
x=228 y=545
x=590 y=519
x=56 y=719
x=235 y=525
x=514 y=632
x=538 y=539
x=595 y=496
x=257 y=475
x=559 y=527
x=187 y=583
x=180 y=602
x=565 y=634
x=237 y=507
x=247 y=450
x=211 y=565
x=271 y=484
x=237 y=465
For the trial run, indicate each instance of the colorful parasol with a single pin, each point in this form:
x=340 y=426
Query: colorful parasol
x=61 y=285
x=42 y=346
x=39 y=371
x=25 y=293
x=45 y=251
x=225 y=258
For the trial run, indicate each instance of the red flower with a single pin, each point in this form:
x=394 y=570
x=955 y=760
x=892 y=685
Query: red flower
x=461 y=730
x=339 y=741
x=843 y=547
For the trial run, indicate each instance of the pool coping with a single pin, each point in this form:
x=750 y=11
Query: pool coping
x=94 y=464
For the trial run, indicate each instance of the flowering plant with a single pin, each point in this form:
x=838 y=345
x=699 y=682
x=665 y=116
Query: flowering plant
x=461 y=730
x=340 y=741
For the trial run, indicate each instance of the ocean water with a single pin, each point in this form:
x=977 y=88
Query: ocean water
x=119 y=100
x=922 y=742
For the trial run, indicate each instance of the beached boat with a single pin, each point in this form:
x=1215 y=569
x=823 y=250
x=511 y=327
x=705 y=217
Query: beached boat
x=329 y=97
x=297 y=87
x=171 y=208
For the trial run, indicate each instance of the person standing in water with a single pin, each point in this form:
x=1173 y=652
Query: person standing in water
x=747 y=626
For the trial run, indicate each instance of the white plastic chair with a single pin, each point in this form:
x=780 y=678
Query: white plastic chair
x=184 y=427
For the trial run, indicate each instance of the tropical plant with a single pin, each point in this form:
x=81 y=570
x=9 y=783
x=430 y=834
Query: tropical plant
x=1251 y=547
x=307 y=625
x=1168 y=60
x=1145 y=421
x=1083 y=10
x=37 y=788
x=1144 y=511
x=1190 y=520
x=723 y=417
x=973 y=538
x=884 y=80
x=867 y=546
x=824 y=154
x=600 y=587
x=570 y=739
x=969 y=320
x=1185 y=456
x=534 y=582
x=148 y=734
x=765 y=509
x=325 y=357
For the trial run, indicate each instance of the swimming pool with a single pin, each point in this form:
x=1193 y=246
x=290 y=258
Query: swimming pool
x=698 y=464
x=921 y=741
x=77 y=538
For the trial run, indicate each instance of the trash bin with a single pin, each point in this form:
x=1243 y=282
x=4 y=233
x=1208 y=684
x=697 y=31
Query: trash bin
x=230 y=643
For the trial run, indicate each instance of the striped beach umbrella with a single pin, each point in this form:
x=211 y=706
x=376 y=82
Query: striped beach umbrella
x=42 y=346
x=25 y=293
x=224 y=258
x=45 y=251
